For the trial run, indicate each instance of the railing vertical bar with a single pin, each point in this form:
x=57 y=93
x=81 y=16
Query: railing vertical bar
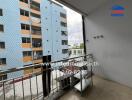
x=23 y=89
x=30 y=86
x=14 y=89
x=81 y=80
x=52 y=80
x=4 y=89
x=42 y=70
x=37 y=85
x=56 y=81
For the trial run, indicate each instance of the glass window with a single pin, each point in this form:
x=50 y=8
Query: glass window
x=27 y=53
x=2 y=61
x=1 y=12
x=63 y=15
x=24 y=12
x=1 y=28
x=2 y=45
x=26 y=40
x=25 y=27
x=64 y=51
x=63 y=24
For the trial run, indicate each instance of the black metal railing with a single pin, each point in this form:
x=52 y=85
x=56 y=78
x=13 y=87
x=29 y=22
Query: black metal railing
x=45 y=80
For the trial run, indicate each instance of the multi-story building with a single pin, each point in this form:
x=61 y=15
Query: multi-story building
x=55 y=34
x=75 y=52
x=29 y=30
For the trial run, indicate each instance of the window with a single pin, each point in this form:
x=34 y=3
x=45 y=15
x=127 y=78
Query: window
x=25 y=1
x=1 y=12
x=63 y=24
x=24 y=12
x=26 y=40
x=1 y=28
x=25 y=27
x=64 y=33
x=63 y=15
x=3 y=77
x=64 y=42
x=2 y=61
x=74 y=52
x=64 y=51
x=27 y=53
x=2 y=45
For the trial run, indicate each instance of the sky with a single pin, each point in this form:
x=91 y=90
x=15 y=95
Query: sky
x=74 y=22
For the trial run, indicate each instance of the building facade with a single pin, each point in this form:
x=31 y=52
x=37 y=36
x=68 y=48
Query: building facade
x=55 y=34
x=29 y=30
x=75 y=52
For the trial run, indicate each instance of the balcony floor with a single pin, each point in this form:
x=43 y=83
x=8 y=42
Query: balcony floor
x=102 y=90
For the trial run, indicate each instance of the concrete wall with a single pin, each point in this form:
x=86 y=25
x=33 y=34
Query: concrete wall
x=114 y=51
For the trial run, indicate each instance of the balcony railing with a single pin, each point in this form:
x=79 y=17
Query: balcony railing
x=49 y=83
x=36 y=45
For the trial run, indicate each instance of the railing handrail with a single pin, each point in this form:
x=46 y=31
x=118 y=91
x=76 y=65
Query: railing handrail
x=37 y=65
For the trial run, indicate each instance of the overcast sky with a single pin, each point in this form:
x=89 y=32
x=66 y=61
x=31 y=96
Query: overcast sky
x=74 y=21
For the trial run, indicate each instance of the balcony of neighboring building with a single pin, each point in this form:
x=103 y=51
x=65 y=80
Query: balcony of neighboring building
x=24 y=15
x=25 y=29
x=38 y=1
x=36 y=32
x=36 y=19
x=26 y=42
x=36 y=44
x=37 y=57
x=27 y=56
x=24 y=4
x=35 y=7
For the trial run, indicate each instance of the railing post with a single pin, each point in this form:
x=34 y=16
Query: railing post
x=46 y=75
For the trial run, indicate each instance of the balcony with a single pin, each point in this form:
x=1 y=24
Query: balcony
x=24 y=18
x=71 y=79
x=23 y=5
x=37 y=57
x=64 y=20
x=36 y=44
x=26 y=45
x=36 y=24
x=38 y=1
x=35 y=8
x=25 y=31
x=27 y=59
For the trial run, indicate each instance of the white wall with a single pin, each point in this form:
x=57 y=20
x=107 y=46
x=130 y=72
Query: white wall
x=114 y=51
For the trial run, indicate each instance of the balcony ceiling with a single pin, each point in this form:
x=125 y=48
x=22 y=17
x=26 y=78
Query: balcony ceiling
x=83 y=6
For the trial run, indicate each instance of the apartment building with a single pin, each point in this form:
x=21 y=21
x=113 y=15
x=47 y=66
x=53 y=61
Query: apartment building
x=54 y=21
x=29 y=30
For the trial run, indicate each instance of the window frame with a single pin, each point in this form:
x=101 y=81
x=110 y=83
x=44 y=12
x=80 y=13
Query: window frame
x=1 y=12
x=24 y=13
x=1 y=28
x=3 y=61
x=27 y=53
x=26 y=40
x=25 y=26
x=2 y=45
